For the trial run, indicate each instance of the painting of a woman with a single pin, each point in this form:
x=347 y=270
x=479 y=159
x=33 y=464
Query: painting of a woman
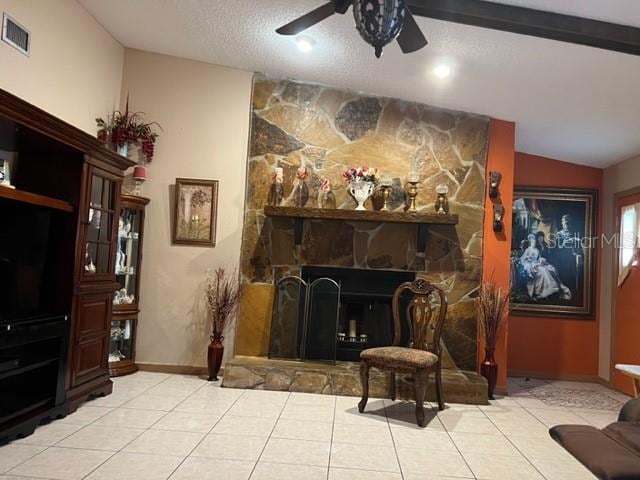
x=542 y=277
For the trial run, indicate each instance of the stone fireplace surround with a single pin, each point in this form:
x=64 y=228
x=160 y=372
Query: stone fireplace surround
x=328 y=130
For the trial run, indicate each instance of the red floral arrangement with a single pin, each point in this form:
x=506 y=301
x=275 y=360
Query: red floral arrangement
x=122 y=128
x=362 y=174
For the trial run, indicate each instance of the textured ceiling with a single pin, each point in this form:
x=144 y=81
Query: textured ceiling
x=569 y=102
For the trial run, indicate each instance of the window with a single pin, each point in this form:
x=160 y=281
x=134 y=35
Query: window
x=628 y=241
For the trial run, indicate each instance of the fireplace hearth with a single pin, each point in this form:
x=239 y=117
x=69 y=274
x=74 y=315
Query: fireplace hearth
x=332 y=314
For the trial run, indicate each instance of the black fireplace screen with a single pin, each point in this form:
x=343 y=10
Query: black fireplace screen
x=332 y=314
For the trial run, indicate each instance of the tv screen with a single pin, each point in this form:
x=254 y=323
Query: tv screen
x=24 y=235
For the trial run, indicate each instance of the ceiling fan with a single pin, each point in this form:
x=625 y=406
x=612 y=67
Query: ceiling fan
x=379 y=22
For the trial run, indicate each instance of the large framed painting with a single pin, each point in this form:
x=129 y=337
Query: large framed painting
x=194 y=218
x=553 y=250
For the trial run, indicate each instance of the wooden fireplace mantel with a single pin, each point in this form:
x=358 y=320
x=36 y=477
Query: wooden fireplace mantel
x=423 y=220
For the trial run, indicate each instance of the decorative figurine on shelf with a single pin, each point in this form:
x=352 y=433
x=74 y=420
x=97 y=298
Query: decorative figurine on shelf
x=386 y=184
x=122 y=298
x=412 y=190
x=361 y=182
x=5 y=173
x=326 y=198
x=121 y=260
x=498 y=215
x=301 y=190
x=494 y=182
x=276 y=191
x=442 y=204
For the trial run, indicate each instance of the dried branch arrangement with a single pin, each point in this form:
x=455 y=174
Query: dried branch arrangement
x=222 y=293
x=492 y=305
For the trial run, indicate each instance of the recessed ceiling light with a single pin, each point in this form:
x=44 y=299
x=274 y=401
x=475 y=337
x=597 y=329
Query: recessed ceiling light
x=442 y=71
x=305 y=44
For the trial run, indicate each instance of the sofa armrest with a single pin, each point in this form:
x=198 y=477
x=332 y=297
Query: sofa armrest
x=630 y=411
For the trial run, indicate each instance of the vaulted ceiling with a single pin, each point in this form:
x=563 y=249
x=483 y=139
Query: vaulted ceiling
x=570 y=102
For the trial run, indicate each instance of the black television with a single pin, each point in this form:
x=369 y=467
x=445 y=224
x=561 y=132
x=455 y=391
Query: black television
x=24 y=247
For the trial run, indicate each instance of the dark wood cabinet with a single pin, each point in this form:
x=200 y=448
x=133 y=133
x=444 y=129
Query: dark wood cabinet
x=75 y=185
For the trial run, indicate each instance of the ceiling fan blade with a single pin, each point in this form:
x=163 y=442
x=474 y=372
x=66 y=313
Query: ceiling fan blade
x=308 y=20
x=411 y=38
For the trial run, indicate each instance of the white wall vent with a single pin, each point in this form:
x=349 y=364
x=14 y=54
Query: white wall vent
x=15 y=34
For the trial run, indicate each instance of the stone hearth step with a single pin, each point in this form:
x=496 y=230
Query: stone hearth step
x=343 y=378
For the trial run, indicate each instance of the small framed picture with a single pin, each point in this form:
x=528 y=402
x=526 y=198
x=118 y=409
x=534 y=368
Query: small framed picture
x=553 y=252
x=194 y=218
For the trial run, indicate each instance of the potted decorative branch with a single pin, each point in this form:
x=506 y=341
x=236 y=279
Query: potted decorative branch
x=222 y=295
x=121 y=129
x=492 y=305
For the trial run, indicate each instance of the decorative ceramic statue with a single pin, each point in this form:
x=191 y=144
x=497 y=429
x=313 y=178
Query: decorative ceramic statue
x=277 y=189
x=326 y=198
x=301 y=190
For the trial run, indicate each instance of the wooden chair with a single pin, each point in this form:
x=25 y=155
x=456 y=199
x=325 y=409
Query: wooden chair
x=422 y=356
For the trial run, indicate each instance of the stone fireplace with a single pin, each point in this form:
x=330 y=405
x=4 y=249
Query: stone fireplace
x=328 y=130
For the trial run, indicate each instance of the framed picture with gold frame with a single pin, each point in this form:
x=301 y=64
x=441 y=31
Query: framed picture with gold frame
x=195 y=212
x=553 y=252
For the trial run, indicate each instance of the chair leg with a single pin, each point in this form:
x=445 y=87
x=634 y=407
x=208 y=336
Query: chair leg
x=421 y=379
x=392 y=386
x=364 y=380
x=439 y=387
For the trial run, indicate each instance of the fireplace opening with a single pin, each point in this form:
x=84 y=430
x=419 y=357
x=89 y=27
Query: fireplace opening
x=330 y=314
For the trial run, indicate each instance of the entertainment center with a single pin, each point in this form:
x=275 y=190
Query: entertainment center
x=58 y=228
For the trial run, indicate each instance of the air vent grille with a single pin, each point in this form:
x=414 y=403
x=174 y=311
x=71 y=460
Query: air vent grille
x=15 y=34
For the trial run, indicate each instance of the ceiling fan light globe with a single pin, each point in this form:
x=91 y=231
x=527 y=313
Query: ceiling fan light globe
x=379 y=22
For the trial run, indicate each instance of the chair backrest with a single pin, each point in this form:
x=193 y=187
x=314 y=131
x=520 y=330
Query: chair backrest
x=424 y=329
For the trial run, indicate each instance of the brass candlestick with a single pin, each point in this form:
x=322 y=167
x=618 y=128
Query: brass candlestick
x=412 y=191
x=385 y=198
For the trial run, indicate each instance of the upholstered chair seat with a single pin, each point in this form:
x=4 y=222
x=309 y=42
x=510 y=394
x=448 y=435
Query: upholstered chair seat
x=399 y=359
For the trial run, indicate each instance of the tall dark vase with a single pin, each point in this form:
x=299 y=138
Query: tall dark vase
x=489 y=370
x=214 y=356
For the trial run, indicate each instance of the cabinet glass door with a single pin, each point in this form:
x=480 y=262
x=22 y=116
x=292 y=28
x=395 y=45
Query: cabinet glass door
x=99 y=226
x=127 y=256
x=121 y=348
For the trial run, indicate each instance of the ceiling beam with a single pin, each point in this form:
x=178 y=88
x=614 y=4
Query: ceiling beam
x=536 y=23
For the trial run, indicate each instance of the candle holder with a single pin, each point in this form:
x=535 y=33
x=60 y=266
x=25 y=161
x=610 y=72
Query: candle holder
x=412 y=191
x=442 y=204
x=139 y=177
x=385 y=184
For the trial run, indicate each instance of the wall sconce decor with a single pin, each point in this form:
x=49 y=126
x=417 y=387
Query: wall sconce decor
x=494 y=182
x=498 y=215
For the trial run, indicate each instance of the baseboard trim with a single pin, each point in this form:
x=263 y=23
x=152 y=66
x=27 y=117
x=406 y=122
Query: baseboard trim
x=567 y=377
x=176 y=369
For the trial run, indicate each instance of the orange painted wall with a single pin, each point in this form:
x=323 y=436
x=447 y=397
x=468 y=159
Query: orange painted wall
x=497 y=246
x=556 y=347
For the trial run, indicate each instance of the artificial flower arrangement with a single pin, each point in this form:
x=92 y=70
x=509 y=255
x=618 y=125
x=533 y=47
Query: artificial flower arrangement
x=361 y=174
x=122 y=128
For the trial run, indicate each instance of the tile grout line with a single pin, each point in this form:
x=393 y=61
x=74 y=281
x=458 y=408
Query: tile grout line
x=514 y=445
x=333 y=429
x=456 y=445
x=393 y=440
x=284 y=405
x=144 y=430
x=206 y=434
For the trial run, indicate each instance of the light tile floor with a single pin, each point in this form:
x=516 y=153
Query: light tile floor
x=157 y=427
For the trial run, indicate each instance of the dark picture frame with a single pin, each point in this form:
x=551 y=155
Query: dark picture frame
x=553 y=252
x=195 y=212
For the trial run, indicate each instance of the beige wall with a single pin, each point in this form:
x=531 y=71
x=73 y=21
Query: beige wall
x=617 y=178
x=204 y=112
x=75 y=68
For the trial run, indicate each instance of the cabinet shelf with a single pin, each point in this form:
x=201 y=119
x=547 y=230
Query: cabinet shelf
x=35 y=199
x=27 y=368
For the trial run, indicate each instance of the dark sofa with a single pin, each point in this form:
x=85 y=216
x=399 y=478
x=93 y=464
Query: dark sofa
x=612 y=453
